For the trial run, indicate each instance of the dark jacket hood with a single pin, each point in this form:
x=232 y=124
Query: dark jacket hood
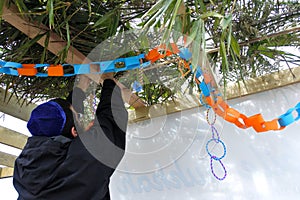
x=36 y=165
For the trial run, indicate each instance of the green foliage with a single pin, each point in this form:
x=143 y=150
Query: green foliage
x=76 y=22
x=240 y=37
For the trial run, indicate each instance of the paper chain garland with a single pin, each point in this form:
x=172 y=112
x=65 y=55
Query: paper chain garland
x=213 y=99
x=17 y=69
x=204 y=81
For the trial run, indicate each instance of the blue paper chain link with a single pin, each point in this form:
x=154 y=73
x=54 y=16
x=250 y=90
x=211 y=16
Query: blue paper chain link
x=291 y=116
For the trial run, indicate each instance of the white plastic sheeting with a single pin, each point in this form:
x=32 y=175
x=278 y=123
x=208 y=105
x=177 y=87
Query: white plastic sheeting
x=166 y=156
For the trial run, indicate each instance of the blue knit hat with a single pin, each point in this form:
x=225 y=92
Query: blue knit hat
x=47 y=119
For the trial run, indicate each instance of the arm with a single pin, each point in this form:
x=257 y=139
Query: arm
x=105 y=140
x=111 y=112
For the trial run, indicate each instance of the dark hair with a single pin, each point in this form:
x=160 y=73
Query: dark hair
x=69 y=117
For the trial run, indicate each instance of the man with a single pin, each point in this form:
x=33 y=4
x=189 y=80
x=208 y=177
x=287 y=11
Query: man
x=60 y=161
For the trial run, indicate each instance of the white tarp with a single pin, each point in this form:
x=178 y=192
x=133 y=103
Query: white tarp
x=166 y=156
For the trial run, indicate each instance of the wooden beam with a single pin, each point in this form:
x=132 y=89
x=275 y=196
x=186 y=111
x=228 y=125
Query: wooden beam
x=180 y=104
x=12 y=138
x=13 y=17
x=233 y=90
x=14 y=108
x=7 y=160
x=263 y=83
x=6 y=172
x=56 y=44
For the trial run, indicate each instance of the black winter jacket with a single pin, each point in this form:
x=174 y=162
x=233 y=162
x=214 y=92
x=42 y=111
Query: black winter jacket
x=80 y=168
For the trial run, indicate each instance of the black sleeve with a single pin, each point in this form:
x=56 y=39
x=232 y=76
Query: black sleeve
x=106 y=139
x=76 y=98
x=112 y=114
